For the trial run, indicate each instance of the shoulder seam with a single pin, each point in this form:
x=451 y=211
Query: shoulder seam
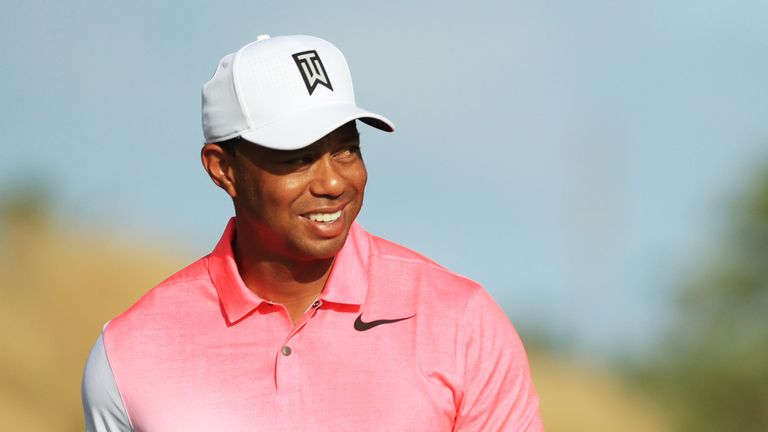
x=428 y=263
x=182 y=281
x=119 y=392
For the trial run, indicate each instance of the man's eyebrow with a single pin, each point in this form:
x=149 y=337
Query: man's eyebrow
x=343 y=138
x=295 y=152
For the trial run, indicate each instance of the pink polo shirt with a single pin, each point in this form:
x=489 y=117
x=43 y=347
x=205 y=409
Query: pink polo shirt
x=395 y=343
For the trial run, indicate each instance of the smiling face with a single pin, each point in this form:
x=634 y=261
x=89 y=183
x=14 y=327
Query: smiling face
x=297 y=205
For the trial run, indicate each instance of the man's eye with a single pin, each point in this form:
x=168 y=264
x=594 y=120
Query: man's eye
x=351 y=151
x=299 y=160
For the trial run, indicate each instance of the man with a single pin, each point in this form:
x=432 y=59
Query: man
x=299 y=320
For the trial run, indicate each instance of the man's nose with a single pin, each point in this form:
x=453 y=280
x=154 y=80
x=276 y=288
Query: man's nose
x=327 y=180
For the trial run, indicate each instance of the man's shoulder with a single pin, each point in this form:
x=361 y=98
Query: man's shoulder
x=403 y=280
x=166 y=296
x=192 y=273
x=405 y=263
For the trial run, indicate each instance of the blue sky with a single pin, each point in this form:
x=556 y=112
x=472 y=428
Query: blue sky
x=577 y=158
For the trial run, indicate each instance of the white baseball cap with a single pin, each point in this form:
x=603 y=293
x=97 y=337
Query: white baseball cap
x=282 y=92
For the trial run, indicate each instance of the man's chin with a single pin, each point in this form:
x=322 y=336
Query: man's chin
x=321 y=249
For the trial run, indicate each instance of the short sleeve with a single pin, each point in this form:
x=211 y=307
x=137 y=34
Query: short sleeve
x=102 y=404
x=498 y=393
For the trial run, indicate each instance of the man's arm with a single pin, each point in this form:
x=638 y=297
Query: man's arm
x=102 y=403
x=498 y=392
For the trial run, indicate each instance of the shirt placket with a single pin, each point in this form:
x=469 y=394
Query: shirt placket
x=288 y=358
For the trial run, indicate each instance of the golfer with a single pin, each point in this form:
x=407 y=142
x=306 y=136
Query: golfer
x=299 y=319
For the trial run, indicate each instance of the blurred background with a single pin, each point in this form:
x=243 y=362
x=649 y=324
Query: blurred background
x=600 y=166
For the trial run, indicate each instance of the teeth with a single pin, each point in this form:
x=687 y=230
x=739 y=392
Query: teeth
x=324 y=217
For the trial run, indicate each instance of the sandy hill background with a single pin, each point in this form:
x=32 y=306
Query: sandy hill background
x=57 y=288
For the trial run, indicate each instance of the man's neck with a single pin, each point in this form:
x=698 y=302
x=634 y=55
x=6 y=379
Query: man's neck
x=293 y=284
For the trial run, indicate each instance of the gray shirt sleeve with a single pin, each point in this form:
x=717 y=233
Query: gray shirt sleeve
x=102 y=403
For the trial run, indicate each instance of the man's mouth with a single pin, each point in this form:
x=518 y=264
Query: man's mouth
x=324 y=217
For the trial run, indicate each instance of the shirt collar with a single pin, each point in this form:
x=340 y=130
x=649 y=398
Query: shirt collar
x=347 y=283
x=236 y=299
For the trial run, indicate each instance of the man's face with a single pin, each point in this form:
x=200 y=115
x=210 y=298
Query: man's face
x=300 y=204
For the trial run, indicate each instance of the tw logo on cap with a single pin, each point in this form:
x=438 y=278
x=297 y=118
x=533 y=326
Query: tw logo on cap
x=312 y=70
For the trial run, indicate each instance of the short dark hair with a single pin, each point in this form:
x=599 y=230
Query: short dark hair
x=229 y=145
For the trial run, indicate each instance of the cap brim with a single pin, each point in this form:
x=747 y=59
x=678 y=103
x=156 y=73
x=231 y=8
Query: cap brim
x=302 y=129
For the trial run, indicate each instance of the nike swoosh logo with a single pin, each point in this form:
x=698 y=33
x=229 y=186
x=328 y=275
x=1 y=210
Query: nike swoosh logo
x=360 y=325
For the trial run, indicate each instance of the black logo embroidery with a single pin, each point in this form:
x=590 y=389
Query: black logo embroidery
x=363 y=326
x=312 y=70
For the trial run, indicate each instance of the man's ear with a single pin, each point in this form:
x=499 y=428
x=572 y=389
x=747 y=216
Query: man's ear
x=219 y=165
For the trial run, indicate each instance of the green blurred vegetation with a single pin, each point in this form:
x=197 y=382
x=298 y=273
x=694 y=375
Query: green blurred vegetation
x=713 y=373
x=25 y=202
